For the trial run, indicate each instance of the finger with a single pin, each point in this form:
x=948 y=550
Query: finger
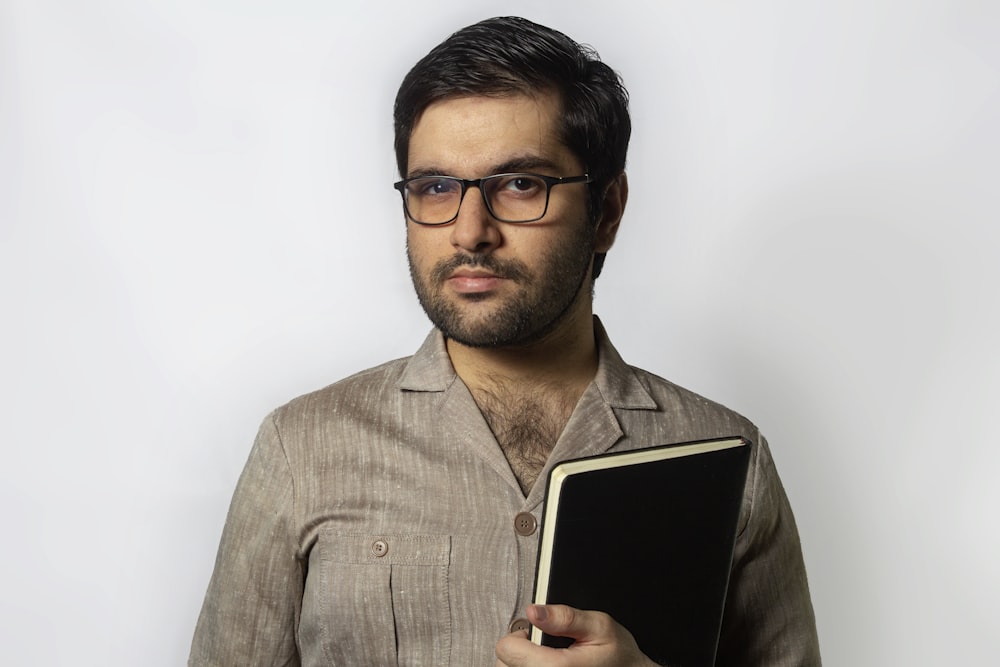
x=564 y=621
x=511 y=650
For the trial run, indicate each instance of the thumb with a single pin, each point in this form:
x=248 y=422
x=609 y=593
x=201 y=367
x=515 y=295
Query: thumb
x=560 y=620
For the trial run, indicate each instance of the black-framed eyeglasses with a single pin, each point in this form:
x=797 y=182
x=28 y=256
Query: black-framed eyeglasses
x=435 y=200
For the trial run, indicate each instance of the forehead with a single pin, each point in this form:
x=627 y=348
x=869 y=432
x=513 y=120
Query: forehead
x=474 y=136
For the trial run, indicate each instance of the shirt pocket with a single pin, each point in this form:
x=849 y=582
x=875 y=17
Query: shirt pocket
x=378 y=599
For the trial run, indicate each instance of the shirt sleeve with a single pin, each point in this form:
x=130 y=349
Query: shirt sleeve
x=769 y=617
x=251 y=610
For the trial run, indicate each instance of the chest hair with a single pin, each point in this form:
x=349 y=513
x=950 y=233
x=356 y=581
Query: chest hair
x=526 y=424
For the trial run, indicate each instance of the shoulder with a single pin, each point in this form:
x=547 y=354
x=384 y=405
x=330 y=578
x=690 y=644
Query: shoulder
x=640 y=397
x=373 y=386
x=690 y=413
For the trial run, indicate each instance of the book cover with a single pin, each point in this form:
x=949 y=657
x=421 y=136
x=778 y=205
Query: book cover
x=646 y=536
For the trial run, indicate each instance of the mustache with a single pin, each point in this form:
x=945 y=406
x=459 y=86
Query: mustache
x=510 y=269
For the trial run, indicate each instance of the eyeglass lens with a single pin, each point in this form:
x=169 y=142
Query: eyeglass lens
x=510 y=197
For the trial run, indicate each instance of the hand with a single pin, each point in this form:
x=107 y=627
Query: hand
x=599 y=641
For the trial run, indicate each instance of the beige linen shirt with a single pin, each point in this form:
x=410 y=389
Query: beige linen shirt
x=374 y=524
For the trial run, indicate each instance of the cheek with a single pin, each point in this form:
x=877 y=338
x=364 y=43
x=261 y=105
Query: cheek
x=423 y=247
x=540 y=244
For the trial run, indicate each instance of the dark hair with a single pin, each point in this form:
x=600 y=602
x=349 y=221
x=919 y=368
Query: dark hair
x=509 y=56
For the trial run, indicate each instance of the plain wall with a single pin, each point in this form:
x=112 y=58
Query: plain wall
x=197 y=224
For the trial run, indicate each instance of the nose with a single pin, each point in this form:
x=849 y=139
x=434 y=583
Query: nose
x=474 y=230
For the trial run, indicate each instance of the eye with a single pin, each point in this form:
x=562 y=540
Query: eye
x=522 y=185
x=433 y=186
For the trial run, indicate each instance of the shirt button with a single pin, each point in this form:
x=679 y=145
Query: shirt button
x=519 y=624
x=525 y=524
x=380 y=548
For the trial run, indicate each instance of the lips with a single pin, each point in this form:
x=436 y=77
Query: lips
x=477 y=274
x=470 y=281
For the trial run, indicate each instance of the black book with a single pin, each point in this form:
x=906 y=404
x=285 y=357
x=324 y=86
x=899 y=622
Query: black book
x=646 y=536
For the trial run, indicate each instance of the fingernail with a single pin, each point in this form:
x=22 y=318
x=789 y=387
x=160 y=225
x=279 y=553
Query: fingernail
x=541 y=612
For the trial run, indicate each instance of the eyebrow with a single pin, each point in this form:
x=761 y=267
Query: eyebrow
x=516 y=164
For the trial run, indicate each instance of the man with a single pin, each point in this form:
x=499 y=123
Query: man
x=391 y=517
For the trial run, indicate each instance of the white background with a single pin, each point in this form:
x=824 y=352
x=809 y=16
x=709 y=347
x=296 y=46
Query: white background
x=197 y=224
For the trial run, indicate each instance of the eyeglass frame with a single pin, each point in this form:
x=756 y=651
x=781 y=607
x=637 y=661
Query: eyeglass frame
x=467 y=183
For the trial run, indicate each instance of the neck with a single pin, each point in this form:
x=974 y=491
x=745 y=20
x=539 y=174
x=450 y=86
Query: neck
x=566 y=357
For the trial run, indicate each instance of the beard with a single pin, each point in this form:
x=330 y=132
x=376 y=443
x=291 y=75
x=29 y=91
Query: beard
x=540 y=304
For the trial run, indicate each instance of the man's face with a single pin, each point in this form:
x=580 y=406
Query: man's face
x=486 y=283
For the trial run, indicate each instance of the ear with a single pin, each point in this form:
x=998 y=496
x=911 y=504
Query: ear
x=612 y=210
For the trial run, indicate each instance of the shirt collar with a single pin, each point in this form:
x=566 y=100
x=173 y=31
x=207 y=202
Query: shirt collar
x=430 y=369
